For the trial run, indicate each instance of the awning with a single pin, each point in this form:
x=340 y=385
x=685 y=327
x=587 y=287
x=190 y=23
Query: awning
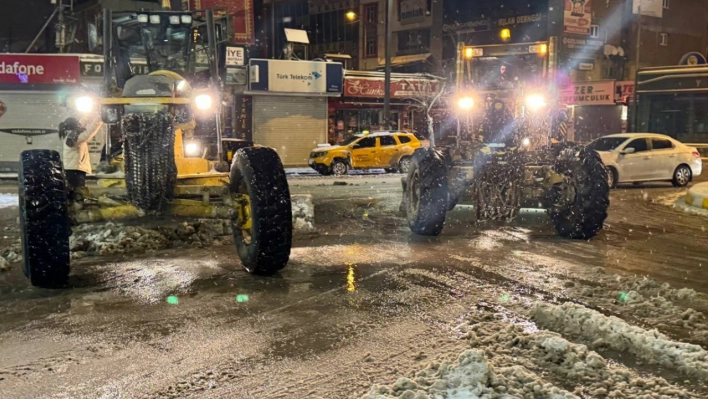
x=406 y=59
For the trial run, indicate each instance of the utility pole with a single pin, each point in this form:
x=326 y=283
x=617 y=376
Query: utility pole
x=387 y=73
x=635 y=107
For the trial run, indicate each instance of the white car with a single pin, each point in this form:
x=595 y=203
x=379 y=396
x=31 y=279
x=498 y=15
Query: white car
x=643 y=157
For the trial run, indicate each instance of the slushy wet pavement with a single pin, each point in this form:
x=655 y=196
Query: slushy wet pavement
x=362 y=302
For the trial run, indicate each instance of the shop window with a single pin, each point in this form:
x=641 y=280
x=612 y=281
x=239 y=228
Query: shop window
x=387 y=141
x=663 y=39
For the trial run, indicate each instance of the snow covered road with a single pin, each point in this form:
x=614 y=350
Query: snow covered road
x=367 y=310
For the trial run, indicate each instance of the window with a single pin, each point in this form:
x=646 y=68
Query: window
x=371 y=13
x=414 y=41
x=595 y=30
x=371 y=48
x=661 y=144
x=666 y=4
x=663 y=39
x=404 y=139
x=387 y=140
x=369 y=142
x=639 y=145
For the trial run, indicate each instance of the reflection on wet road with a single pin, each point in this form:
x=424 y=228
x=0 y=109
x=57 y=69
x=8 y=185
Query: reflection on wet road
x=363 y=302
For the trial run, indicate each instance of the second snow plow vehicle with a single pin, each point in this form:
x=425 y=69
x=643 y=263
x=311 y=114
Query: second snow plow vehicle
x=499 y=177
x=155 y=113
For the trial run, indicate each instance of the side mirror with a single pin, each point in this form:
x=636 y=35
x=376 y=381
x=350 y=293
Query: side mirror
x=629 y=150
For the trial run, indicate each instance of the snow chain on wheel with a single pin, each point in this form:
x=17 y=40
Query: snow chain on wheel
x=150 y=169
x=426 y=192
x=44 y=218
x=497 y=189
x=258 y=173
x=582 y=214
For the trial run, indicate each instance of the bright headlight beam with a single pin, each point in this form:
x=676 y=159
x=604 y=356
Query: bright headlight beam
x=526 y=142
x=84 y=104
x=191 y=149
x=535 y=102
x=465 y=103
x=203 y=102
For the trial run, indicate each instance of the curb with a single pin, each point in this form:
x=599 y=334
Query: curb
x=697 y=196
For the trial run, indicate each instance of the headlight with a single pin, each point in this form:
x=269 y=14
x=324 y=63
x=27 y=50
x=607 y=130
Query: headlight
x=192 y=149
x=84 y=104
x=526 y=142
x=318 y=154
x=535 y=102
x=203 y=102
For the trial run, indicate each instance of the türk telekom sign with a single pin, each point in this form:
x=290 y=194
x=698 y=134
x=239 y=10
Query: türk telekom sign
x=39 y=69
x=400 y=88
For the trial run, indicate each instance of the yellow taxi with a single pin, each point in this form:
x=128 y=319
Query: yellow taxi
x=391 y=151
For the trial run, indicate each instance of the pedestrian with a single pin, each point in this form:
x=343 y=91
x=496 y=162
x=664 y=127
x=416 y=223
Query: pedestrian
x=75 y=135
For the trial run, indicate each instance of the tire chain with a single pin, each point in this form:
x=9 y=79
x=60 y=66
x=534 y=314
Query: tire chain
x=150 y=169
x=498 y=189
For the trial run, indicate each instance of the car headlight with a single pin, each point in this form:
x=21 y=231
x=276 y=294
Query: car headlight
x=526 y=142
x=84 y=104
x=192 y=149
x=203 y=102
x=318 y=154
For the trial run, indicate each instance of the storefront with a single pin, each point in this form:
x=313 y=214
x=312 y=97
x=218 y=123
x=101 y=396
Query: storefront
x=33 y=90
x=289 y=109
x=361 y=106
x=593 y=110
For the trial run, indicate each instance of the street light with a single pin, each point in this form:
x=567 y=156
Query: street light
x=351 y=16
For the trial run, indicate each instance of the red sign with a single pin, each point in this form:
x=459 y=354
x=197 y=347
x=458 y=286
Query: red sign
x=42 y=69
x=241 y=13
x=627 y=87
x=400 y=88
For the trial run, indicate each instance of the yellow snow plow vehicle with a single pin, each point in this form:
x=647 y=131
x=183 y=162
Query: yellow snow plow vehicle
x=156 y=115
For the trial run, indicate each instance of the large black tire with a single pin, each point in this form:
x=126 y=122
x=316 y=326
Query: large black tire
x=44 y=218
x=259 y=173
x=426 y=192
x=581 y=218
x=150 y=169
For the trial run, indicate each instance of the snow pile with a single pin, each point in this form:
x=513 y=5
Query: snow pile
x=470 y=376
x=11 y=254
x=303 y=212
x=651 y=346
x=112 y=238
x=8 y=200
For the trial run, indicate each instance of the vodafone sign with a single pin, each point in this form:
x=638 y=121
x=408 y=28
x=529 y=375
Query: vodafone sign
x=39 y=69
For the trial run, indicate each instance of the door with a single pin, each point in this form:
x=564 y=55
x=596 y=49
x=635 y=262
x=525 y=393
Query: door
x=387 y=153
x=635 y=166
x=364 y=153
x=664 y=158
x=292 y=126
